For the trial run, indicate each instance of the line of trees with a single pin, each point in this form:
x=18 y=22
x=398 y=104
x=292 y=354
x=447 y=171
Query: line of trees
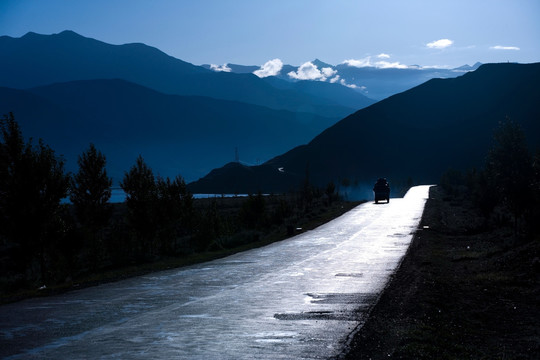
x=42 y=236
x=32 y=184
x=45 y=240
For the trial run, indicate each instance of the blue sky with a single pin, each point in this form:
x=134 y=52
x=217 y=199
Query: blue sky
x=384 y=33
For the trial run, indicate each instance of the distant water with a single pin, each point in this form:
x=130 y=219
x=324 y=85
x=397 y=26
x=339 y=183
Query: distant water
x=119 y=196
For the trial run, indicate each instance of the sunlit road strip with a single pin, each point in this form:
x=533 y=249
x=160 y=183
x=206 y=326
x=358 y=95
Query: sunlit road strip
x=290 y=300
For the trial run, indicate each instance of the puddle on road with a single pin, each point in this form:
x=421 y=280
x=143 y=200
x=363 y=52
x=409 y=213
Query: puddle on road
x=275 y=336
x=235 y=262
x=342 y=298
x=350 y=274
x=320 y=315
x=398 y=235
x=361 y=301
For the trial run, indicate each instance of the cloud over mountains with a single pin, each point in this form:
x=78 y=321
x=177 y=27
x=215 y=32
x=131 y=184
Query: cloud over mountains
x=379 y=64
x=373 y=75
x=270 y=68
x=306 y=71
x=310 y=71
x=224 y=67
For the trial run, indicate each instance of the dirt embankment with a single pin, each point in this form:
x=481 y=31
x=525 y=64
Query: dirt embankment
x=464 y=291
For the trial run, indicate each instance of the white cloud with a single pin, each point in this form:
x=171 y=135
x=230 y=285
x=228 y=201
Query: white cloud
x=366 y=62
x=270 y=68
x=389 y=65
x=309 y=71
x=383 y=56
x=328 y=72
x=499 y=47
x=344 y=83
x=427 y=67
x=224 y=67
x=335 y=79
x=338 y=79
x=440 y=44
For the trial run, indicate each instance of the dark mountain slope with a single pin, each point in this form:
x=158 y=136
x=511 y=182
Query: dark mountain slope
x=175 y=134
x=37 y=60
x=418 y=134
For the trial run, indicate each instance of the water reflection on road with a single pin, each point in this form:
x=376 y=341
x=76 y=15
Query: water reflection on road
x=296 y=299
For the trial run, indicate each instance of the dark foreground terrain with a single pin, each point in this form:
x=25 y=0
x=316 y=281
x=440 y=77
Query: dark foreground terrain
x=276 y=218
x=465 y=290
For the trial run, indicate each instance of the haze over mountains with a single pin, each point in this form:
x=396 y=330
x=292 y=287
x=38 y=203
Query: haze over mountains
x=175 y=134
x=417 y=134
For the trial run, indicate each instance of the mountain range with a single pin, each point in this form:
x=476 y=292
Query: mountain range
x=413 y=136
x=129 y=99
x=37 y=60
x=375 y=82
x=185 y=119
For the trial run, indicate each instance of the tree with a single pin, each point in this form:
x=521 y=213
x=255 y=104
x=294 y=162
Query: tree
x=509 y=165
x=141 y=197
x=175 y=206
x=253 y=212
x=11 y=154
x=306 y=192
x=90 y=192
x=91 y=189
x=330 y=192
x=50 y=186
x=32 y=184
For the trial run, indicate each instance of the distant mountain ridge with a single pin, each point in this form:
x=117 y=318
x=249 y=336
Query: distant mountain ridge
x=417 y=135
x=375 y=82
x=37 y=60
x=182 y=118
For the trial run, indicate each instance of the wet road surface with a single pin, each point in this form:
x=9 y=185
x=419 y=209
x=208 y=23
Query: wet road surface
x=295 y=299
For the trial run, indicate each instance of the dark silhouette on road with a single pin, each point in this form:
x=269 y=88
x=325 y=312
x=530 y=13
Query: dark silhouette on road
x=381 y=190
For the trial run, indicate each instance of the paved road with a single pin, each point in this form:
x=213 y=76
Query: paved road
x=295 y=299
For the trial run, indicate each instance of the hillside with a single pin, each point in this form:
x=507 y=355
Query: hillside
x=187 y=135
x=415 y=135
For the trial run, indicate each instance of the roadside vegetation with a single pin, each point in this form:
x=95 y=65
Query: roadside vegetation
x=507 y=189
x=469 y=285
x=48 y=245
